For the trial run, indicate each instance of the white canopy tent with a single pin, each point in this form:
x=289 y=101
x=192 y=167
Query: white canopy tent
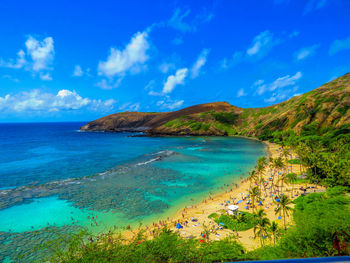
x=233 y=207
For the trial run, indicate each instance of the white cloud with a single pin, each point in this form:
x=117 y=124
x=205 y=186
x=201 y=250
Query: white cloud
x=174 y=80
x=262 y=44
x=339 y=45
x=241 y=93
x=282 y=94
x=285 y=81
x=9 y=77
x=130 y=106
x=305 y=52
x=41 y=52
x=38 y=57
x=45 y=76
x=170 y=104
x=165 y=67
x=261 y=87
x=236 y=58
x=20 y=61
x=78 y=72
x=150 y=88
x=177 y=21
x=200 y=62
x=121 y=61
x=108 y=84
x=64 y=100
x=278 y=87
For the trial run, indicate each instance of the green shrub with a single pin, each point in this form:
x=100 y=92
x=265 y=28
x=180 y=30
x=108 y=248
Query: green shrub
x=166 y=246
x=237 y=223
x=294 y=161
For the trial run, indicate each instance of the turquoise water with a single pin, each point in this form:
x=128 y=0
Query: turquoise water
x=103 y=180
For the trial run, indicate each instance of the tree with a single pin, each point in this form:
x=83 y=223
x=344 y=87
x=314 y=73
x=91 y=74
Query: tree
x=259 y=214
x=260 y=168
x=252 y=177
x=277 y=164
x=254 y=193
x=282 y=179
x=290 y=179
x=284 y=207
x=275 y=231
x=261 y=229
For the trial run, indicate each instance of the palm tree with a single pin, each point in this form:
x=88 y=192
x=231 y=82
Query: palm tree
x=254 y=193
x=285 y=153
x=260 y=168
x=261 y=229
x=259 y=214
x=282 y=179
x=284 y=207
x=290 y=179
x=277 y=164
x=275 y=231
x=252 y=177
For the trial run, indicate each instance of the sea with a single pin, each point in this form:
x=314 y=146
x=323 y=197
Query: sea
x=55 y=180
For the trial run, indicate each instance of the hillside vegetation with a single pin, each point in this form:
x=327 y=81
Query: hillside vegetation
x=326 y=107
x=316 y=125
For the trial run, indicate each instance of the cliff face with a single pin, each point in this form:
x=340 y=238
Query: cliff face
x=328 y=106
x=141 y=121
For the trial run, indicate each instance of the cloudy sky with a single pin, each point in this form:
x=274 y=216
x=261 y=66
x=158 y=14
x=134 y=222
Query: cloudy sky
x=79 y=60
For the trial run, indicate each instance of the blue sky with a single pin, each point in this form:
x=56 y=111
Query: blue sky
x=80 y=60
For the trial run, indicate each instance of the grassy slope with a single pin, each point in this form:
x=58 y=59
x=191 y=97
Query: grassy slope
x=327 y=105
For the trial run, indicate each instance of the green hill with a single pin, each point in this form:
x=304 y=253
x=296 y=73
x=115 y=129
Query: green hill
x=325 y=107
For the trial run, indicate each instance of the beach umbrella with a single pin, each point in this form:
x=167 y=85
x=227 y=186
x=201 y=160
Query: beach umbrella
x=247 y=207
x=279 y=217
x=240 y=201
x=178 y=226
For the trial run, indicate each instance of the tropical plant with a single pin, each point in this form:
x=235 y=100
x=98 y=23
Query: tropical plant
x=254 y=194
x=290 y=179
x=274 y=230
x=261 y=229
x=284 y=207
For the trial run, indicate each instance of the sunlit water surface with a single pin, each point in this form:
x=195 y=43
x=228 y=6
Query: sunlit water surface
x=54 y=179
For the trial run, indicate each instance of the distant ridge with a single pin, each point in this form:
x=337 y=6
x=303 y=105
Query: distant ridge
x=326 y=106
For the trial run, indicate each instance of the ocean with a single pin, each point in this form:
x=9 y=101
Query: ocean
x=55 y=179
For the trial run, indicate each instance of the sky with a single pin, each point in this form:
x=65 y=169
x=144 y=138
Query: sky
x=81 y=60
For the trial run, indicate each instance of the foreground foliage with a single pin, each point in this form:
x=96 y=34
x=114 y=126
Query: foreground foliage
x=167 y=246
x=324 y=151
x=322 y=228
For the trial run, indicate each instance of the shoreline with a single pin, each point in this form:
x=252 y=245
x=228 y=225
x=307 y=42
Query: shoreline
x=216 y=202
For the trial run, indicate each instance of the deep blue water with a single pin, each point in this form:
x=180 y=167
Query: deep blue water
x=41 y=152
x=55 y=178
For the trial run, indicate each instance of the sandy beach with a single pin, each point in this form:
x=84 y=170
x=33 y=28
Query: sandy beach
x=194 y=219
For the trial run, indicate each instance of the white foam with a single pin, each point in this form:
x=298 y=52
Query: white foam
x=149 y=161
